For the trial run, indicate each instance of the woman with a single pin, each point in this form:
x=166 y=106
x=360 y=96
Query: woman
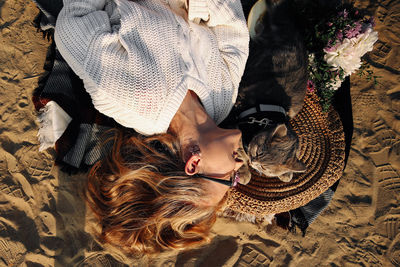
x=171 y=78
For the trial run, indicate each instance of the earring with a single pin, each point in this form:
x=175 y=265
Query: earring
x=190 y=151
x=194 y=150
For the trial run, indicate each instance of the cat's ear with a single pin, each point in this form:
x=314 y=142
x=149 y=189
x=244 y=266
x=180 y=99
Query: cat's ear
x=292 y=166
x=280 y=130
x=286 y=177
x=296 y=165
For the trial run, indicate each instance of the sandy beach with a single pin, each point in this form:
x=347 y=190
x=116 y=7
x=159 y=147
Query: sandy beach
x=44 y=220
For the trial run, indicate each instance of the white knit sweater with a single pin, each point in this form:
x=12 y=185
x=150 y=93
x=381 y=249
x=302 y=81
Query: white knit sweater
x=138 y=58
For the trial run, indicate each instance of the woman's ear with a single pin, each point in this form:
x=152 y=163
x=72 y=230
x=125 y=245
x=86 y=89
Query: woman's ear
x=192 y=165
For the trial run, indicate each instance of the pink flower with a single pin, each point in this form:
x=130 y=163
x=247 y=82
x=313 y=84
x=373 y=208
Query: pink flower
x=344 y=13
x=310 y=86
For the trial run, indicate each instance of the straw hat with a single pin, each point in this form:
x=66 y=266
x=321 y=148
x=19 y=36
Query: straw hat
x=322 y=148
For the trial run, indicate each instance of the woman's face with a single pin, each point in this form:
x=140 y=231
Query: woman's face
x=219 y=159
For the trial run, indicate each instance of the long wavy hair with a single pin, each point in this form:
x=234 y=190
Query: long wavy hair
x=144 y=200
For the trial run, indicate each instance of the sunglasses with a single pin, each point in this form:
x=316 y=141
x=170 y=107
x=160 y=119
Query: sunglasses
x=233 y=181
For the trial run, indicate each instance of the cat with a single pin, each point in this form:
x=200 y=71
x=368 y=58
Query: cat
x=271 y=92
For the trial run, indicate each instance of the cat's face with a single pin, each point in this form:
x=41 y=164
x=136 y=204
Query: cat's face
x=274 y=153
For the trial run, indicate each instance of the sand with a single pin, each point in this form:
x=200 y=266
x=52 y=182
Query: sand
x=44 y=221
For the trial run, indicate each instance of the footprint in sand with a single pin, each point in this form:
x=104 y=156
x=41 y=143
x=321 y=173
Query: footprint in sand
x=393 y=252
x=388 y=177
x=251 y=256
x=37 y=165
x=12 y=182
x=394 y=155
x=100 y=259
x=392 y=225
x=362 y=102
x=8 y=110
x=7 y=187
x=380 y=52
x=8 y=163
x=388 y=189
x=385 y=136
x=11 y=253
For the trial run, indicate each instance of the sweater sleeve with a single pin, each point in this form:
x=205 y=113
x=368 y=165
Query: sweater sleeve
x=90 y=45
x=227 y=21
x=78 y=22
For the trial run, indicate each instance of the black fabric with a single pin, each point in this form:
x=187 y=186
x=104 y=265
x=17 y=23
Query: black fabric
x=81 y=144
x=50 y=10
x=247 y=5
x=342 y=104
x=255 y=123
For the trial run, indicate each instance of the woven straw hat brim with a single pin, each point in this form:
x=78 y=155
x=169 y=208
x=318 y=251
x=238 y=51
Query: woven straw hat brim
x=322 y=150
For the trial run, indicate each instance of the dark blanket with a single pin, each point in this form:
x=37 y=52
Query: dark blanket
x=81 y=146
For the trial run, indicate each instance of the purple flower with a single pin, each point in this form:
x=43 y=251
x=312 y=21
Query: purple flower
x=331 y=46
x=366 y=26
x=339 y=35
x=353 y=31
x=371 y=20
x=329 y=24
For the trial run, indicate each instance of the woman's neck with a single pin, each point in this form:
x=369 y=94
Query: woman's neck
x=191 y=120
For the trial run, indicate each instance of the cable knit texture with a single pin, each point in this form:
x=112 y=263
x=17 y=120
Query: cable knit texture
x=138 y=58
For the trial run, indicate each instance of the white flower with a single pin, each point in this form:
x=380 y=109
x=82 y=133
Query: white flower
x=366 y=41
x=348 y=54
x=311 y=58
x=311 y=61
x=335 y=83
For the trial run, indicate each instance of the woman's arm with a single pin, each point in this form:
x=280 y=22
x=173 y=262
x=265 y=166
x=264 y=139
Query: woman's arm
x=78 y=22
x=114 y=47
x=226 y=19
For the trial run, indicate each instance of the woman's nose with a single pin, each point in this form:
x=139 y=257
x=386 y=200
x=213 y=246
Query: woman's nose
x=236 y=137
